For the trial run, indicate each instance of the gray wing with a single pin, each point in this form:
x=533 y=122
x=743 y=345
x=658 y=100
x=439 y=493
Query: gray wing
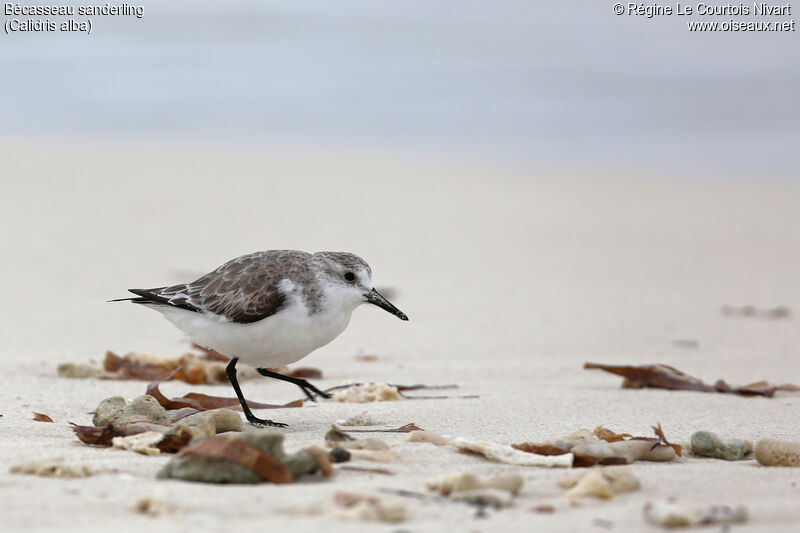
x=243 y=290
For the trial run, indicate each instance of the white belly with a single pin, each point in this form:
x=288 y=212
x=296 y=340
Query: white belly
x=283 y=338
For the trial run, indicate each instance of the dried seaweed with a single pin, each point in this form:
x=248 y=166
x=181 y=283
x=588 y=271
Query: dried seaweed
x=204 y=402
x=408 y=428
x=242 y=453
x=41 y=417
x=667 y=377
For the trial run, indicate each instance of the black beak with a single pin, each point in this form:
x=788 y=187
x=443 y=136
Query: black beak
x=374 y=297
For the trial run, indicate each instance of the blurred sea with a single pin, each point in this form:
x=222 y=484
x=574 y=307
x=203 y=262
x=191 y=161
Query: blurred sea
x=555 y=83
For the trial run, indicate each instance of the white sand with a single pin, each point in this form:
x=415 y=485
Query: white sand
x=512 y=280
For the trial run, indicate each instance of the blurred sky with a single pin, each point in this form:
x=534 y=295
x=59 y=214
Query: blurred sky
x=559 y=83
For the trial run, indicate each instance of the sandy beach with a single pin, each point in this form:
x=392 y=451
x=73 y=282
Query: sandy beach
x=512 y=279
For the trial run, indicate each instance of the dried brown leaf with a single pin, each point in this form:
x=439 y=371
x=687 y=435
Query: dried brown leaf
x=173 y=442
x=96 y=436
x=41 y=417
x=242 y=453
x=609 y=436
x=540 y=449
x=204 y=402
x=667 y=377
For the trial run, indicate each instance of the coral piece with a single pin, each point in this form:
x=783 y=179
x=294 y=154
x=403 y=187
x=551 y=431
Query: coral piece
x=601 y=483
x=52 y=468
x=466 y=481
x=773 y=452
x=115 y=411
x=707 y=444
x=144 y=443
x=370 y=392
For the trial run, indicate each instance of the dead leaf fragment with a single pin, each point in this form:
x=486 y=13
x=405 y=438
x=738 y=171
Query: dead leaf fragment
x=609 y=436
x=96 y=436
x=41 y=417
x=667 y=377
x=204 y=402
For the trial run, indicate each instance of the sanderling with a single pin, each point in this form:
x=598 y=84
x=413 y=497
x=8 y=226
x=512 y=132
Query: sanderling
x=269 y=309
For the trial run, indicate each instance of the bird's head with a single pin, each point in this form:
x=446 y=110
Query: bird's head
x=349 y=280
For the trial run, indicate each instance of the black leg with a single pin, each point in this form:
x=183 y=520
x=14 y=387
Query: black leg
x=253 y=419
x=307 y=387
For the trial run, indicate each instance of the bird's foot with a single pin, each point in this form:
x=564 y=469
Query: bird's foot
x=263 y=423
x=310 y=390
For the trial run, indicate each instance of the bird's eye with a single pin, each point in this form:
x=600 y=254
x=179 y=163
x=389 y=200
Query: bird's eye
x=349 y=276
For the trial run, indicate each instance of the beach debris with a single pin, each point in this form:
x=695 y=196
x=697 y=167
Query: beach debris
x=96 y=436
x=124 y=421
x=52 y=468
x=80 y=370
x=116 y=411
x=420 y=435
x=466 y=481
x=504 y=453
x=773 y=452
x=208 y=423
x=250 y=457
x=361 y=419
x=368 y=470
x=339 y=455
x=671 y=514
x=367 y=392
x=407 y=428
x=708 y=444
x=204 y=402
x=151 y=504
x=351 y=505
x=750 y=311
x=336 y=435
x=144 y=443
x=604 y=482
x=606 y=447
x=41 y=417
x=667 y=377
